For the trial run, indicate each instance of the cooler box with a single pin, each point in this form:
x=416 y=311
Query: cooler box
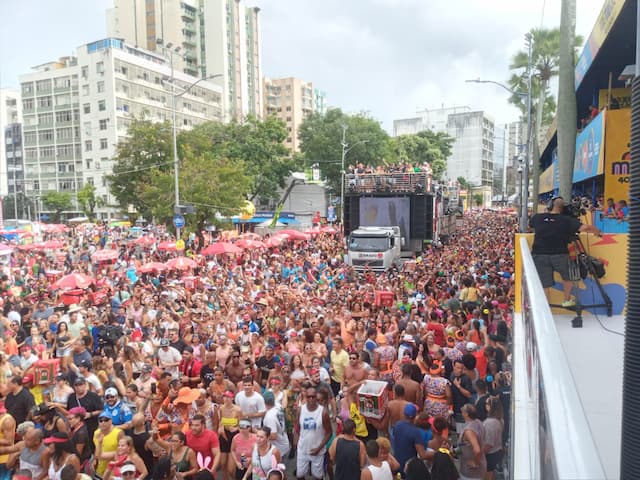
x=45 y=371
x=72 y=296
x=372 y=398
x=99 y=297
x=191 y=282
x=383 y=298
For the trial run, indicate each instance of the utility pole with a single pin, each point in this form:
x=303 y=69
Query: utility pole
x=524 y=201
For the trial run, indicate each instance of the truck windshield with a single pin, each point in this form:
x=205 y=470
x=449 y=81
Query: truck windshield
x=368 y=244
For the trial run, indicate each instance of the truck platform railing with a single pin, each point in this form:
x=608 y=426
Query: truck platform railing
x=420 y=182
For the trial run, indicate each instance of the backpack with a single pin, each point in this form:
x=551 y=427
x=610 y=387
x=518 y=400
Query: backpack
x=472 y=294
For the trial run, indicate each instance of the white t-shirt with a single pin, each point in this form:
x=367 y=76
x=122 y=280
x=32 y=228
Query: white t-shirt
x=170 y=355
x=274 y=419
x=252 y=404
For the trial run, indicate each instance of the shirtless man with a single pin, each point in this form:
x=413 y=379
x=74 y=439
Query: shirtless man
x=395 y=409
x=413 y=390
x=234 y=368
x=355 y=371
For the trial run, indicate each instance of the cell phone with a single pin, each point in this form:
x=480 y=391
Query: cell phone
x=153 y=388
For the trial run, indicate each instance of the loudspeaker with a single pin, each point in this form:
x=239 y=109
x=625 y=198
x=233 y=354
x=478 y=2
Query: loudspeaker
x=351 y=213
x=421 y=216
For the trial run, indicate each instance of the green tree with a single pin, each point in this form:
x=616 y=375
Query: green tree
x=321 y=143
x=148 y=146
x=478 y=199
x=463 y=183
x=88 y=201
x=545 y=59
x=427 y=146
x=567 y=107
x=258 y=144
x=57 y=202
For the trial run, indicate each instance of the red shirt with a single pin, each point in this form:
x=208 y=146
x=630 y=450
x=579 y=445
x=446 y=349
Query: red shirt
x=438 y=332
x=481 y=362
x=191 y=369
x=203 y=443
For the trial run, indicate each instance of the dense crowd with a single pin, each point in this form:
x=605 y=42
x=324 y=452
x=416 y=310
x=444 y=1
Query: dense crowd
x=245 y=362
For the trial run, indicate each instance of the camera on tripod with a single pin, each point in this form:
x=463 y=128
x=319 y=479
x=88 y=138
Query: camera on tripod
x=574 y=209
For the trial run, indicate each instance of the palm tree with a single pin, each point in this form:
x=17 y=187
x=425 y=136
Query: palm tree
x=567 y=108
x=545 y=59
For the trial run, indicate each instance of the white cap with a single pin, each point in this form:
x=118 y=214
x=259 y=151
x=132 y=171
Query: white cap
x=128 y=467
x=471 y=346
x=111 y=392
x=14 y=316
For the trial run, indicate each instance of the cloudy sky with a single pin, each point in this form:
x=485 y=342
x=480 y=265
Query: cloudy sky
x=390 y=58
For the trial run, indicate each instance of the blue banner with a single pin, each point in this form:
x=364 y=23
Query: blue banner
x=589 y=150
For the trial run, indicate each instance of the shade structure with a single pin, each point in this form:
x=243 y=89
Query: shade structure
x=105 y=255
x=248 y=244
x=167 y=246
x=219 y=248
x=152 y=267
x=74 y=281
x=144 y=241
x=181 y=263
x=294 y=234
x=50 y=245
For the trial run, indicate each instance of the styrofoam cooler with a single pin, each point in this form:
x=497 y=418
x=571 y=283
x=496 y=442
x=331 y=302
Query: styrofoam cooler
x=384 y=298
x=71 y=297
x=372 y=398
x=191 y=282
x=45 y=371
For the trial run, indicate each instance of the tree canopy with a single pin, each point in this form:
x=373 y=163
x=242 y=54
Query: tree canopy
x=321 y=142
x=88 y=201
x=427 y=146
x=58 y=202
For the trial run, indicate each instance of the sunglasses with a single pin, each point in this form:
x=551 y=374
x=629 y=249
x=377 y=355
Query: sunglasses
x=108 y=397
x=104 y=420
x=243 y=427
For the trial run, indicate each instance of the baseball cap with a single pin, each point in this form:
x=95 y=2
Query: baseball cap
x=80 y=411
x=269 y=397
x=244 y=423
x=471 y=346
x=79 y=381
x=164 y=342
x=410 y=410
x=228 y=394
x=111 y=392
x=147 y=368
x=86 y=363
x=27 y=379
x=104 y=415
x=128 y=468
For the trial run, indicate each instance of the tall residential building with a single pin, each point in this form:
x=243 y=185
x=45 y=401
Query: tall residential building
x=205 y=38
x=291 y=100
x=14 y=157
x=10 y=114
x=434 y=120
x=76 y=111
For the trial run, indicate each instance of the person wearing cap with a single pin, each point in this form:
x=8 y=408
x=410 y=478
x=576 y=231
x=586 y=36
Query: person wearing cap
x=62 y=453
x=553 y=231
x=105 y=441
x=169 y=358
x=274 y=419
x=242 y=448
x=120 y=414
x=19 y=400
x=79 y=434
x=144 y=381
x=84 y=371
x=315 y=430
x=90 y=401
x=407 y=438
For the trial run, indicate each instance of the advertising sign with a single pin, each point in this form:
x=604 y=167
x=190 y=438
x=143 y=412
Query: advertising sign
x=589 y=150
x=620 y=98
x=617 y=156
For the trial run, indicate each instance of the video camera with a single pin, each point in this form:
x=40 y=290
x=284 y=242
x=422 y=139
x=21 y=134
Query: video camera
x=574 y=209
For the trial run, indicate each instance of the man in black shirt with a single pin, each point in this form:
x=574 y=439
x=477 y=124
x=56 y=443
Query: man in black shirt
x=461 y=392
x=266 y=364
x=175 y=341
x=19 y=400
x=554 y=230
x=88 y=400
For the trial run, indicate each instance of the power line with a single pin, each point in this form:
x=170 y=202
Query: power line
x=142 y=169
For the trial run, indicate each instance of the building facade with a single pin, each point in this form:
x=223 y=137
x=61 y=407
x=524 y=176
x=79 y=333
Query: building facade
x=10 y=115
x=434 y=120
x=291 y=100
x=77 y=110
x=206 y=38
x=14 y=158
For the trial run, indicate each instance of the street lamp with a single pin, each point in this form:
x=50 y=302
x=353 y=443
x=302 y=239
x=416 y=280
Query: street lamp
x=174 y=95
x=345 y=149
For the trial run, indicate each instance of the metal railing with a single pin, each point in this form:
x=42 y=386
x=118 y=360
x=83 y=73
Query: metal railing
x=550 y=433
x=419 y=182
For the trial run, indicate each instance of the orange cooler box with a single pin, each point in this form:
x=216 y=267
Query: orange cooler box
x=45 y=371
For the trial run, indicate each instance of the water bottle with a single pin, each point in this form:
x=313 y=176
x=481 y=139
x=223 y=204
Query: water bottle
x=243 y=461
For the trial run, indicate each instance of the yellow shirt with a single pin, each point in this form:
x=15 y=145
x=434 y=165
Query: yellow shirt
x=3 y=458
x=109 y=445
x=358 y=419
x=339 y=362
x=37 y=392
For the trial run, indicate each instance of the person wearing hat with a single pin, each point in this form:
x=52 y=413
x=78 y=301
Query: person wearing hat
x=407 y=438
x=19 y=400
x=242 y=448
x=554 y=230
x=120 y=413
x=62 y=453
x=84 y=371
x=145 y=380
x=169 y=358
x=105 y=440
x=274 y=419
x=90 y=401
x=79 y=434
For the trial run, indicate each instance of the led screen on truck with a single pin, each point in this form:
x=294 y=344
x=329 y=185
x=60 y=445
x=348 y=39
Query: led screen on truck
x=386 y=212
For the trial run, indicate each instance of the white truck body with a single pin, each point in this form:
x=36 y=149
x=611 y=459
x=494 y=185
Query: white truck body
x=377 y=248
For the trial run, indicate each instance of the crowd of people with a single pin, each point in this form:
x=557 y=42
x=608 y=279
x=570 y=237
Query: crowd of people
x=246 y=362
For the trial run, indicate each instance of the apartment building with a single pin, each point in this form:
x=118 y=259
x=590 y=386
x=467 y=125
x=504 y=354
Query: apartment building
x=77 y=109
x=10 y=115
x=291 y=100
x=205 y=38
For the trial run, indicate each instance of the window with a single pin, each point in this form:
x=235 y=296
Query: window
x=90 y=180
x=46 y=136
x=85 y=90
x=64 y=116
x=88 y=163
x=97 y=165
x=86 y=108
x=43 y=86
x=86 y=126
x=27 y=88
x=84 y=72
x=289 y=108
x=102 y=105
x=30 y=137
x=100 y=67
x=288 y=119
x=27 y=104
x=103 y=124
x=100 y=86
x=44 y=102
x=45 y=119
x=47 y=152
x=64 y=133
x=103 y=144
x=88 y=146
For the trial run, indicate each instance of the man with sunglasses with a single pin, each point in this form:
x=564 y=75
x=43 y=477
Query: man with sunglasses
x=120 y=414
x=315 y=430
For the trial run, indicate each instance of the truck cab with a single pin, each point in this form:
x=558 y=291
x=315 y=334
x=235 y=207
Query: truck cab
x=377 y=248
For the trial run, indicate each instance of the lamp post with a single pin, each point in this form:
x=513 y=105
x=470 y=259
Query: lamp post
x=174 y=96
x=345 y=149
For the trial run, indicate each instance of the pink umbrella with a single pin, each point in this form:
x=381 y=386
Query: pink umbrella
x=250 y=236
x=5 y=249
x=249 y=244
x=50 y=245
x=328 y=229
x=313 y=232
x=144 y=241
x=181 y=263
x=219 y=248
x=152 y=267
x=73 y=281
x=294 y=234
x=275 y=241
x=105 y=255
x=167 y=246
